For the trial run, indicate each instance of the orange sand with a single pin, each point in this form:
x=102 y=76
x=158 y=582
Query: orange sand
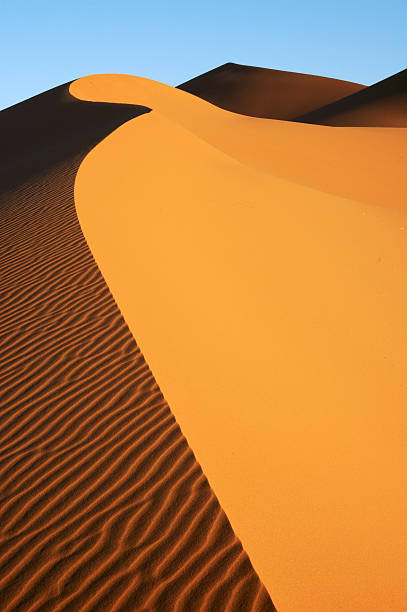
x=271 y=309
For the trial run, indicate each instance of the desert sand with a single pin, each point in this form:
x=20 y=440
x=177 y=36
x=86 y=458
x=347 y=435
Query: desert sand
x=103 y=504
x=261 y=266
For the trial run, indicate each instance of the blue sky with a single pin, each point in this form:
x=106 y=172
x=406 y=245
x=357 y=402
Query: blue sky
x=44 y=43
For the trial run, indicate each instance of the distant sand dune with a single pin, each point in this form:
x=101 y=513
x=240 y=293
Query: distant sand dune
x=103 y=505
x=262 y=92
x=383 y=104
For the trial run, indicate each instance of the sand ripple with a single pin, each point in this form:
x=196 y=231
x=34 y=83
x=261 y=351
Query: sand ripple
x=103 y=505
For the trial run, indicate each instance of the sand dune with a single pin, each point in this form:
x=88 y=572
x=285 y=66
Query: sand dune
x=270 y=304
x=260 y=266
x=384 y=104
x=262 y=92
x=103 y=505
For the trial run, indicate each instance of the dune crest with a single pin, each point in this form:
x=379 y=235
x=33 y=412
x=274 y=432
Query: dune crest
x=272 y=315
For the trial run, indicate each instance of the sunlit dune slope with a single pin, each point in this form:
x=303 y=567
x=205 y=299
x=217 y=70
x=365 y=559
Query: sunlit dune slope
x=103 y=504
x=384 y=104
x=262 y=92
x=273 y=316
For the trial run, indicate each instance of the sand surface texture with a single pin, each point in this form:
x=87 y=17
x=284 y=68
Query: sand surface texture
x=261 y=266
x=103 y=505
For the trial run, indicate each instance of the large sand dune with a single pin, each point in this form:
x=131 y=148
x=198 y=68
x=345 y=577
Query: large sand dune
x=260 y=266
x=262 y=92
x=103 y=505
x=270 y=303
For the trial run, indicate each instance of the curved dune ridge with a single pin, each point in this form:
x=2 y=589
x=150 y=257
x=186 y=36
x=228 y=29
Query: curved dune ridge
x=334 y=161
x=103 y=505
x=263 y=92
x=383 y=104
x=270 y=304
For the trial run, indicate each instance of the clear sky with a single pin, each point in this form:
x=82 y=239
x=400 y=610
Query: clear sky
x=44 y=43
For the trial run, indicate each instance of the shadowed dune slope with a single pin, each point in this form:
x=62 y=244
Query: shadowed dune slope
x=262 y=92
x=383 y=104
x=103 y=505
x=48 y=128
x=273 y=317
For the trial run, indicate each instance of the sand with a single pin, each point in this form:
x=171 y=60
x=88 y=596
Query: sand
x=103 y=504
x=269 y=302
x=262 y=92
